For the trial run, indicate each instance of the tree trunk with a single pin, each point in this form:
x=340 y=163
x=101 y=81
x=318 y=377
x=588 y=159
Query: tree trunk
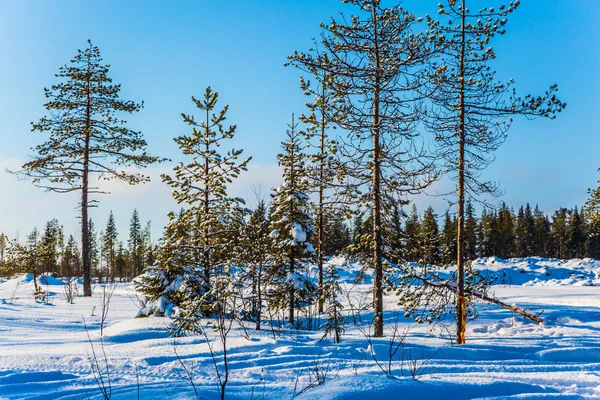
x=461 y=320
x=85 y=233
x=292 y=288
x=205 y=240
x=320 y=221
x=259 y=297
x=377 y=253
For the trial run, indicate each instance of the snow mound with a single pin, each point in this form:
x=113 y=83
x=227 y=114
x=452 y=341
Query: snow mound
x=133 y=330
x=378 y=387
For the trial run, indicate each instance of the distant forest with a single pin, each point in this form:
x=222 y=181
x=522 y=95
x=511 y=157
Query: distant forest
x=424 y=237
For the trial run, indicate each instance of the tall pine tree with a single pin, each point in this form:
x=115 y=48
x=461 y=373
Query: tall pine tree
x=87 y=138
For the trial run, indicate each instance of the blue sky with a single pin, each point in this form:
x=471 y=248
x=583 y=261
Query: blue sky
x=164 y=52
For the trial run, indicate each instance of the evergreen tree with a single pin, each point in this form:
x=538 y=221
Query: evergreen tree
x=541 y=240
x=487 y=232
x=576 y=235
x=334 y=325
x=559 y=233
x=504 y=239
x=121 y=261
x=93 y=249
x=472 y=111
x=412 y=231
x=291 y=220
x=70 y=262
x=430 y=238
x=148 y=247
x=51 y=243
x=520 y=234
x=529 y=221
x=257 y=247
x=207 y=223
x=394 y=237
x=3 y=246
x=109 y=245
x=357 y=231
x=448 y=246
x=87 y=138
x=471 y=244
x=592 y=209
x=136 y=248
x=323 y=170
x=336 y=236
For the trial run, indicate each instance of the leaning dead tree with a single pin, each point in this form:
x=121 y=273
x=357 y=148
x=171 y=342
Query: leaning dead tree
x=373 y=62
x=426 y=295
x=86 y=139
x=472 y=111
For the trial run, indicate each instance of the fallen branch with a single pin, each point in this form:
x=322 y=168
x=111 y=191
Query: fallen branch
x=484 y=297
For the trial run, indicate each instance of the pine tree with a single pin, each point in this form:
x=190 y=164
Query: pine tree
x=448 y=247
x=197 y=240
x=148 y=247
x=93 y=249
x=70 y=263
x=504 y=239
x=136 y=249
x=121 y=261
x=322 y=170
x=472 y=110
x=541 y=240
x=51 y=243
x=87 y=138
x=291 y=220
x=429 y=238
x=257 y=247
x=559 y=233
x=334 y=325
x=3 y=246
x=486 y=233
x=109 y=245
x=471 y=244
x=576 y=235
x=412 y=230
x=520 y=234
x=394 y=236
x=357 y=232
x=371 y=60
x=592 y=209
x=336 y=236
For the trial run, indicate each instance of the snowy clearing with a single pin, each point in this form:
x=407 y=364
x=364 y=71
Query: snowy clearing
x=45 y=351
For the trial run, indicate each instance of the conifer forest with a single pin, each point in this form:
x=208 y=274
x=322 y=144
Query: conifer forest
x=344 y=232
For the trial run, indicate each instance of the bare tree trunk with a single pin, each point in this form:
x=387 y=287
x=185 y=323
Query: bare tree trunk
x=206 y=279
x=461 y=320
x=377 y=253
x=320 y=222
x=85 y=234
x=259 y=296
x=292 y=288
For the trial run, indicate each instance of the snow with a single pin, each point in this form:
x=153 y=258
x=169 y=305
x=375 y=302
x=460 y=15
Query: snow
x=298 y=233
x=44 y=349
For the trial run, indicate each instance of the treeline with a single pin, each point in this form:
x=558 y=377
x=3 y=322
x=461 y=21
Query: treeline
x=51 y=252
x=430 y=238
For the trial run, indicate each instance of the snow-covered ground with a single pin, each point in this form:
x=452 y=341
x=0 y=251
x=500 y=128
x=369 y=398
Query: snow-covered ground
x=45 y=351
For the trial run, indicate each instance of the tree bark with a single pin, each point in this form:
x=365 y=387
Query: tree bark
x=377 y=253
x=85 y=233
x=320 y=221
x=259 y=297
x=205 y=244
x=461 y=321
